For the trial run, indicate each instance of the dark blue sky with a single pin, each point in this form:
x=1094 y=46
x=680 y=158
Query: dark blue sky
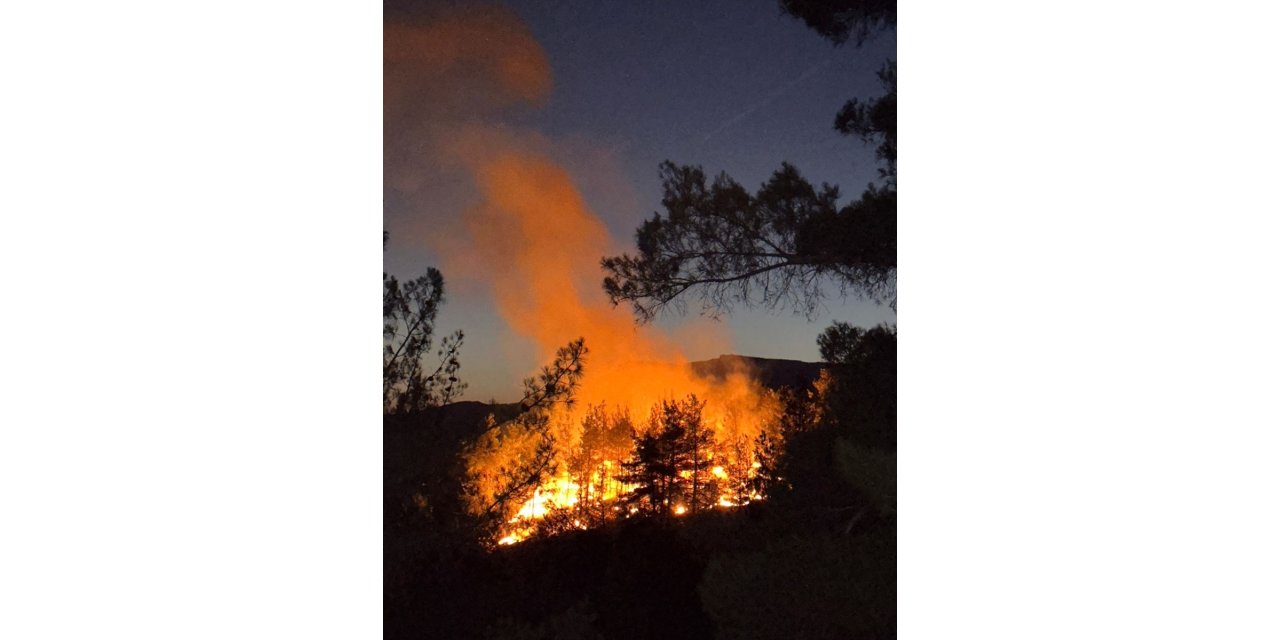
x=729 y=85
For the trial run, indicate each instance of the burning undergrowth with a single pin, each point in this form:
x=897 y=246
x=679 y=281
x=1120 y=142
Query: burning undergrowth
x=564 y=465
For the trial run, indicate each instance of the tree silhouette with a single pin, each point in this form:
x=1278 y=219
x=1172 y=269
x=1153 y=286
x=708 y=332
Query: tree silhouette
x=672 y=462
x=783 y=244
x=837 y=20
x=700 y=444
x=652 y=471
x=876 y=120
x=556 y=382
x=861 y=399
x=777 y=246
x=509 y=461
x=838 y=457
x=408 y=326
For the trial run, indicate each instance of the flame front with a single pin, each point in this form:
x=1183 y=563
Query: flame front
x=595 y=492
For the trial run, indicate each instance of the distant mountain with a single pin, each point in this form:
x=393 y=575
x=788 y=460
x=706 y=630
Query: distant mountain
x=464 y=419
x=771 y=372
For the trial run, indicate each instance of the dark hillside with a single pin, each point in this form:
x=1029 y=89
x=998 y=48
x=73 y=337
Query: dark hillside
x=772 y=373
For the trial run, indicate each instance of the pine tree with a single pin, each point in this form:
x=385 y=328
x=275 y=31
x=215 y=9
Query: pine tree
x=672 y=463
x=698 y=446
x=594 y=464
x=651 y=473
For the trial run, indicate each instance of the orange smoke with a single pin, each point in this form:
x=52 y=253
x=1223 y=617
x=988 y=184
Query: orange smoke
x=458 y=66
x=538 y=247
x=483 y=57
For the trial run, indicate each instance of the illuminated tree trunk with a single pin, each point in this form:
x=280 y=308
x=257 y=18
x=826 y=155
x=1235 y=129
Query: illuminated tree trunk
x=693 y=431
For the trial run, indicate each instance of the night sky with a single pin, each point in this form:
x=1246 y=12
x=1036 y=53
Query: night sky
x=729 y=85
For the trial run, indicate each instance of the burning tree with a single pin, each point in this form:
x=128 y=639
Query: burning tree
x=508 y=463
x=652 y=474
x=673 y=461
x=700 y=444
x=737 y=472
x=562 y=468
x=606 y=440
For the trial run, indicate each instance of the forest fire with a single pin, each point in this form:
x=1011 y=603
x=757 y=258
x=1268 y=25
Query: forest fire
x=617 y=470
x=637 y=486
x=529 y=238
x=576 y=465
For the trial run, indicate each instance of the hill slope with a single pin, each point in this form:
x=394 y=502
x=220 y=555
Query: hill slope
x=771 y=372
